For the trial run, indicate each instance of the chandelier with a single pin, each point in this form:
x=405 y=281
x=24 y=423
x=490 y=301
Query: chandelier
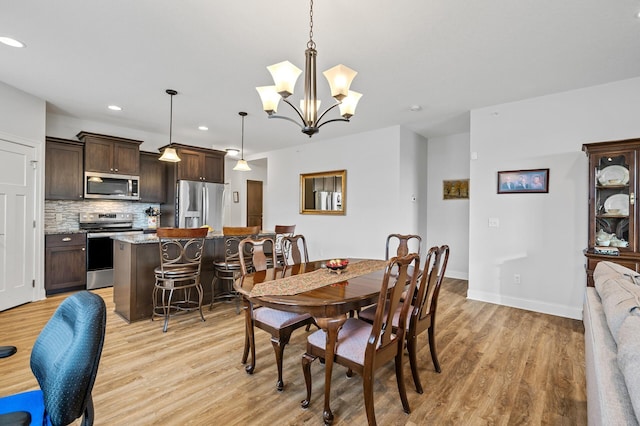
x=285 y=75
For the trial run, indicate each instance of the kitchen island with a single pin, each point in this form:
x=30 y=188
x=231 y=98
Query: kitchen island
x=134 y=259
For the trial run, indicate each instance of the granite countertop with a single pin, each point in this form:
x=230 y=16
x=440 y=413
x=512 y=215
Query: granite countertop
x=64 y=231
x=153 y=238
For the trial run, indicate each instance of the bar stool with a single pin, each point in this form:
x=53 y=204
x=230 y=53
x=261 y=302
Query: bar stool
x=228 y=269
x=179 y=270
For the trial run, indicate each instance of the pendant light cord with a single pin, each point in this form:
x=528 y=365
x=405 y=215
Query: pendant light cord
x=311 y=44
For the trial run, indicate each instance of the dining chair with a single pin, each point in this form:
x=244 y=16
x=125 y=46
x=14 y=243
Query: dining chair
x=401 y=245
x=64 y=360
x=281 y=232
x=179 y=272
x=423 y=310
x=279 y=324
x=296 y=248
x=363 y=347
x=227 y=269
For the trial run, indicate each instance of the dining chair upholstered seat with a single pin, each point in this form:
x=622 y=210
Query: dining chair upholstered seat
x=422 y=314
x=178 y=288
x=363 y=347
x=64 y=361
x=279 y=324
x=281 y=232
x=227 y=269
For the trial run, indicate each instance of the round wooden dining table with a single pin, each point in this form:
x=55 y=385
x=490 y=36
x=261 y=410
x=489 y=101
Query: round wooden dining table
x=328 y=305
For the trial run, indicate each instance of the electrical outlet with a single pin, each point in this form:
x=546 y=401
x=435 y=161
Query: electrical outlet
x=494 y=222
x=516 y=279
x=58 y=217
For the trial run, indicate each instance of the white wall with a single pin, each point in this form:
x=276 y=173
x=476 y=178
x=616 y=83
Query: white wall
x=377 y=162
x=236 y=213
x=541 y=236
x=448 y=220
x=22 y=120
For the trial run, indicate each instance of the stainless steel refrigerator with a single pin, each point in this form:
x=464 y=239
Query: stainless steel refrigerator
x=200 y=203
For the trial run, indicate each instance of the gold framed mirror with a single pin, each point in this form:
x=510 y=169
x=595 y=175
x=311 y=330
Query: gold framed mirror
x=323 y=193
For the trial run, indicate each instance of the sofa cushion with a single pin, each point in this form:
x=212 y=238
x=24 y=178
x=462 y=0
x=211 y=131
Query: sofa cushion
x=629 y=358
x=608 y=401
x=620 y=296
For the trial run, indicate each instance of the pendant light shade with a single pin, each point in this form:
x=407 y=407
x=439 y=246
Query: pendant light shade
x=169 y=154
x=242 y=165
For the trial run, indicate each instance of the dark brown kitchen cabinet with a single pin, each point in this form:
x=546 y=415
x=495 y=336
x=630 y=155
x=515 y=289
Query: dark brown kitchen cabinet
x=110 y=154
x=153 y=178
x=199 y=164
x=65 y=262
x=63 y=169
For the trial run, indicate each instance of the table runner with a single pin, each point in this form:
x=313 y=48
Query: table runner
x=296 y=284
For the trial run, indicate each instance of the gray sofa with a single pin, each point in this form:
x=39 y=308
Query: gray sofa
x=612 y=346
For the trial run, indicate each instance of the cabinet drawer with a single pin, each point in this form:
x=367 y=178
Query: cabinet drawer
x=59 y=240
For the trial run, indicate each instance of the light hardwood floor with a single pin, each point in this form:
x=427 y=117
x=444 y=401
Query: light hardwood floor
x=500 y=366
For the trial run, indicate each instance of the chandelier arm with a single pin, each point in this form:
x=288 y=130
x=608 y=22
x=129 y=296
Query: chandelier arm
x=287 y=118
x=331 y=121
x=296 y=110
x=326 y=111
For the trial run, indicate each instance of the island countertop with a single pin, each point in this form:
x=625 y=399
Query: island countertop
x=134 y=259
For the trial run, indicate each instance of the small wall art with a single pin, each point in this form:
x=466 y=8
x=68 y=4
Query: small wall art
x=523 y=181
x=455 y=189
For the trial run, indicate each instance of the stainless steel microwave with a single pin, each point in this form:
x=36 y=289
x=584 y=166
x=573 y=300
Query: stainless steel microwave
x=110 y=186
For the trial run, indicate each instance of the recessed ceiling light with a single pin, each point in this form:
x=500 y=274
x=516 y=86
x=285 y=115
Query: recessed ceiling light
x=12 y=42
x=203 y=128
x=114 y=108
x=415 y=108
x=232 y=151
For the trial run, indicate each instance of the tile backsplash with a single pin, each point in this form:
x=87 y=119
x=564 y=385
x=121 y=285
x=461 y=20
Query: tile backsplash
x=68 y=212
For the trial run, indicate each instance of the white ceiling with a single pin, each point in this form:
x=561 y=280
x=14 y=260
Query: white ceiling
x=449 y=56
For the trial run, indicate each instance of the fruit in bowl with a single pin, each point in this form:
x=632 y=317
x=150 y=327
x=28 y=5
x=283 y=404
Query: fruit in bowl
x=337 y=264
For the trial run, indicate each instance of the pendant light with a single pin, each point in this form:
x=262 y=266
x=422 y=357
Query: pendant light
x=169 y=154
x=242 y=165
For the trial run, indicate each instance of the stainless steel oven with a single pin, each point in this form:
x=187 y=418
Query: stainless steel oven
x=101 y=229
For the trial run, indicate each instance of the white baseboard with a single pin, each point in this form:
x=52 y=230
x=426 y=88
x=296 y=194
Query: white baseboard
x=457 y=275
x=529 y=305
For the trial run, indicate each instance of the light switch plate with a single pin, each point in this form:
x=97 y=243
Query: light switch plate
x=494 y=222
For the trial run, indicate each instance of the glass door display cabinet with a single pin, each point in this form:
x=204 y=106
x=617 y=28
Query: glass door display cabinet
x=612 y=204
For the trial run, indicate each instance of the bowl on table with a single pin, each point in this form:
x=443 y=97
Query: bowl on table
x=337 y=265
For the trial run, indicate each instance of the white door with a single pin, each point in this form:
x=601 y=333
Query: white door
x=17 y=232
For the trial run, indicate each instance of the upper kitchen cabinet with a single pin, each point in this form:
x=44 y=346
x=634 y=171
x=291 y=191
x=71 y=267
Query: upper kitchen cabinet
x=63 y=169
x=110 y=154
x=199 y=164
x=153 y=178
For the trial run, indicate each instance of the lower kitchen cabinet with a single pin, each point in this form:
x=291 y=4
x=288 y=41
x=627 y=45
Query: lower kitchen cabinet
x=65 y=263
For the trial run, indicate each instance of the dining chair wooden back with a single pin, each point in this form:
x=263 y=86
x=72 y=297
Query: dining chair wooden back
x=363 y=347
x=423 y=315
x=279 y=324
x=296 y=248
x=227 y=269
x=179 y=271
x=401 y=245
x=281 y=232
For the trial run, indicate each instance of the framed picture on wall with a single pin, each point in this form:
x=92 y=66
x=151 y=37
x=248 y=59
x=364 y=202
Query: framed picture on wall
x=455 y=189
x=523 y=181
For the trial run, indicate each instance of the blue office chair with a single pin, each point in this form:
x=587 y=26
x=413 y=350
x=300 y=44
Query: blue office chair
x=64 y=360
